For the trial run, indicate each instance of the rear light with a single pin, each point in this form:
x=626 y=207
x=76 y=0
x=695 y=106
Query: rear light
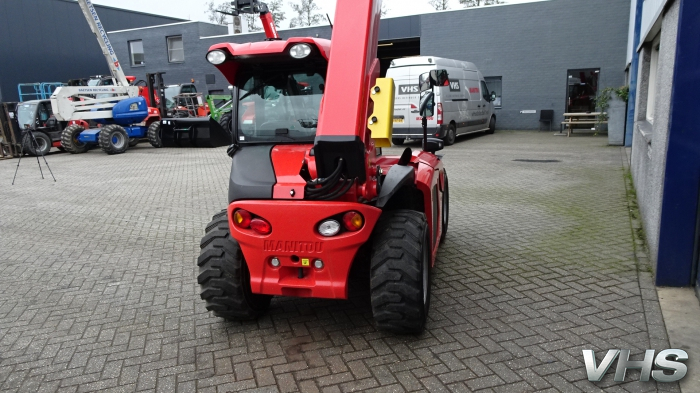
x=413 y=106
x=439 y=113
x=329 y=228
x=260 y=226
x=242 y=218
x=353 y=221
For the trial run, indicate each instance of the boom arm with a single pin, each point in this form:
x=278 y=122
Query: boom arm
x=107 y=50
x=253 y=7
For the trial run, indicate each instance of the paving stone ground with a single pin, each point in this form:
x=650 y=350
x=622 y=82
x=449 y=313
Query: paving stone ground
x=98 y=284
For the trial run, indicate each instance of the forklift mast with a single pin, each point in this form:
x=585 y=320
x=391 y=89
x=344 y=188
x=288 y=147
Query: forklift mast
x=156 y=92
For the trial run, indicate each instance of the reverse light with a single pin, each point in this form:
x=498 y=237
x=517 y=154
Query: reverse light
x=300 y=51
x=439 y=113
x=353 y=221
x=242 y=218
x=260 y=226
x=216 y=57
x=329 y=228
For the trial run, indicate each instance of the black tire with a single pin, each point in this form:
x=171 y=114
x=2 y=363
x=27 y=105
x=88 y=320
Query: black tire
x=69 y=139
x=43 y=142
x=134 y=141
x=113 y=139
x=492 y=125
x=225 y=122
x=451 y=135
x=445 y=210
x=398 y=141
x=224 y=277
x=400 y=272
x=154 y=136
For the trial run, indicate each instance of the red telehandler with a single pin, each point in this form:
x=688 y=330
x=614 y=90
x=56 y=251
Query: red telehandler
x=310 y=190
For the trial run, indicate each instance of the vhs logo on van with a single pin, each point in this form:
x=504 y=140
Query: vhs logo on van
x=454 y=86
x=409 y=89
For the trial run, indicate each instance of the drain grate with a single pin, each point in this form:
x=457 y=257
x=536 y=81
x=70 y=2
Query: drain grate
x=526 y=160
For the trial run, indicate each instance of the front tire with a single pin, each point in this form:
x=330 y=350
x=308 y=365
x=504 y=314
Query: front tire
x=397 y=141
x=400 y=272
x=43 y=141
x=451 y=135
x=224 y=276
x=492 y=125
x=69 y=139
x=113 y=139
x=154 y=135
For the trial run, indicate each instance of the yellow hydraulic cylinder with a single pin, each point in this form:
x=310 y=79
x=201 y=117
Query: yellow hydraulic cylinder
x=381 y=122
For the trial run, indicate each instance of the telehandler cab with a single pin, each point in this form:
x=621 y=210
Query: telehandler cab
x=309 y=185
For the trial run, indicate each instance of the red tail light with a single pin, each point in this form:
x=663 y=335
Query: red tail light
x=439 y=113
x=413 y=106
x=242 y=218
x=260 y=226
x=353 y=221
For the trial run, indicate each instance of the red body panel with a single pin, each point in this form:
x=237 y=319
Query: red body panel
x=287 y=161
x=294 y=234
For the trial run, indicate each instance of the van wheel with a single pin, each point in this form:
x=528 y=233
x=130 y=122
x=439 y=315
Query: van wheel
x=451 y=135
x=397 y=141
x=492 y=126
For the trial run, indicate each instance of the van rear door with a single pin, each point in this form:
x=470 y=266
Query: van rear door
x=406 y=114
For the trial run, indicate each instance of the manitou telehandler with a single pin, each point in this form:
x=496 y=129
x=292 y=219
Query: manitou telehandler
x=310 y=190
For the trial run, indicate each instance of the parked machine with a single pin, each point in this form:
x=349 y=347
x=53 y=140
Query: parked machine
x=310 y=192
x=185 y=121
x=117 y=106
x=38 y=116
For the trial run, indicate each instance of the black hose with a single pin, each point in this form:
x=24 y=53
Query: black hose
x=339 y=192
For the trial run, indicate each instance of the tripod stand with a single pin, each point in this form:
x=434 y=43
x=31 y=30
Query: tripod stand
x=30 y=143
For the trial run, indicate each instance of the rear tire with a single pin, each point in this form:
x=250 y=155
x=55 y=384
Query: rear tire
x=43 y=141
x=154 y=135
x=397 y=141
x=445 y=210
x=69 y=139
x=492 y=125
x=451 y=135
x=400 y=272
x=113 y=139
x=224 y=276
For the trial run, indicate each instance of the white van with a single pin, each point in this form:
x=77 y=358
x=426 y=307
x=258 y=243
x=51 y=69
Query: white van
x=462 y=108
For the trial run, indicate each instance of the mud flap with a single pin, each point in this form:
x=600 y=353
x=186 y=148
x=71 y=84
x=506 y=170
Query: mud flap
x=193 y=132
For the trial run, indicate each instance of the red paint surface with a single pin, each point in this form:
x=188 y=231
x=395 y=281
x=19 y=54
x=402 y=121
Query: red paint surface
x=287 y=161
x=294 y=233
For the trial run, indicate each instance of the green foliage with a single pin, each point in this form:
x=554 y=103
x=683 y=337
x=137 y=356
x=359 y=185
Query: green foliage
x=602 y=101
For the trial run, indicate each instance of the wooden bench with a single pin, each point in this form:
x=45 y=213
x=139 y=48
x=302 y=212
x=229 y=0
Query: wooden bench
x=571 y=119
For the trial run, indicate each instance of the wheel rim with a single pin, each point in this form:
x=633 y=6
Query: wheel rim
x=42 y=144
x=118 y=140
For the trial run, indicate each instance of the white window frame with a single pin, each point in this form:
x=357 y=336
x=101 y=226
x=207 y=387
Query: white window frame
x=653 y=77
x=132 y=53
x=173 y=51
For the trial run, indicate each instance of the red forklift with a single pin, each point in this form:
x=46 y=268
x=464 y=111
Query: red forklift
x=310 y=190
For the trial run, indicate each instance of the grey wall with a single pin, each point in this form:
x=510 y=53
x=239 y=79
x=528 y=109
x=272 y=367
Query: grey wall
x=650 y=141
x=50 y=41
x=531 y=46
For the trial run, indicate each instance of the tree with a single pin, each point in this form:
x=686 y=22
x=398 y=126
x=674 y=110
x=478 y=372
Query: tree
x=216 y=17
x=440 y=5
x=385 y=9
x=275 y=7
x=477 y=3
x=306 y=14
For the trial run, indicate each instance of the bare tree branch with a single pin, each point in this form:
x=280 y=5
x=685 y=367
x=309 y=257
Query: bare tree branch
x=307 y=14
x=278 y=15
x=215 y=17
x=440 y=5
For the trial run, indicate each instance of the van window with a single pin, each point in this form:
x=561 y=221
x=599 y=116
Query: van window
x=495 y=85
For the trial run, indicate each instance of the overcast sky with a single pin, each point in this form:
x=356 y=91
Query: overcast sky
x=196 y=9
